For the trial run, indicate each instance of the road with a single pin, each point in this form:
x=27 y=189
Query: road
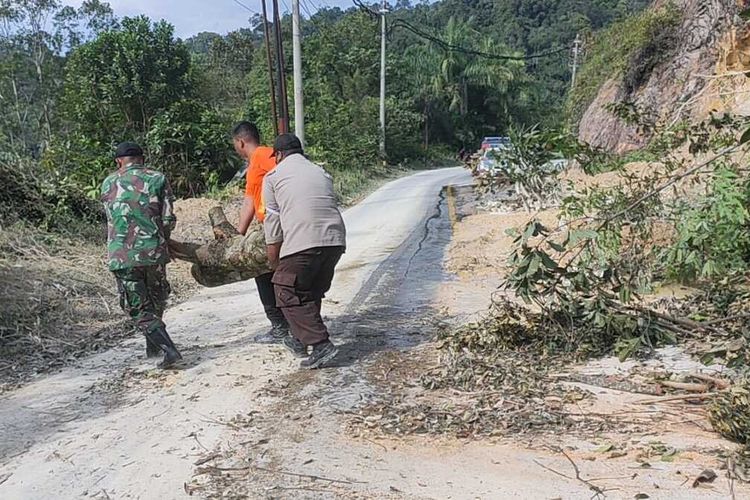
x=110 y=426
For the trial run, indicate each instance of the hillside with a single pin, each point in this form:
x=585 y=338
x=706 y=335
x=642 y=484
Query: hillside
x=671 y=63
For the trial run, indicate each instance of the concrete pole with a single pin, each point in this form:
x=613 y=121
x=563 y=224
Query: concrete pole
x=383 y=11
x=576 y=53
x=299 y=105
x=283 y=102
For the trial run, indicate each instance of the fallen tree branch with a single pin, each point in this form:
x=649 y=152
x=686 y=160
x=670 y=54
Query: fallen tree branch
x=682 y=397
x=685 y=386
x=307 y=476
x=716 y=382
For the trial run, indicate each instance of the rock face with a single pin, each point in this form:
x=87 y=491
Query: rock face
x=674 y=87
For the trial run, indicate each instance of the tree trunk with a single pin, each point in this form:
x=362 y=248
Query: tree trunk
x=230 y=258
x=426 y=124
x=464 y=97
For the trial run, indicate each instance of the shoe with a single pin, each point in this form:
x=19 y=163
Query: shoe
x=152 y=350
x=294 y=346
x=322 y=353
x=279 y=330
x=274 y=335
x=171 y=356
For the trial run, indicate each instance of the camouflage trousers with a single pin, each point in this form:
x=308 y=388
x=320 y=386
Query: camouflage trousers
x=143 y=296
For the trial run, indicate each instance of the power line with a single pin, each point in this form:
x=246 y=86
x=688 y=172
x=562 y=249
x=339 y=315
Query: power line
x=400 y=23
x=246 y=7
x=307 y=10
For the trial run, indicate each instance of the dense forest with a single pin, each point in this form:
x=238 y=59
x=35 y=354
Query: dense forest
x=74 y=82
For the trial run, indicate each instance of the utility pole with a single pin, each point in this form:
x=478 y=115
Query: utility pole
x=283 y=103
x=270 y=70
x=576 y=53
x=299 y=105
x=383 y=12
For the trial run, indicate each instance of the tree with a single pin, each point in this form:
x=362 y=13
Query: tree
x=117 y=83
x=34 y=35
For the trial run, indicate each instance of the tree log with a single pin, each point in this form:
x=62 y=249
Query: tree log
x=230 y=258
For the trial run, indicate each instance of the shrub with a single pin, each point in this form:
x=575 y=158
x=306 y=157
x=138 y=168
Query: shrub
x=712 y=236
x=630 y=48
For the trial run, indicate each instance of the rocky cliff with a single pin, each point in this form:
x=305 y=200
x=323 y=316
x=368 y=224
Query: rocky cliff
x=703 y=71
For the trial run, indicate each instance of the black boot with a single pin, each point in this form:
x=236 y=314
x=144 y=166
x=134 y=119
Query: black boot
x=161 y=338
x=152 y=350
x=171 y=356
x=322 y=353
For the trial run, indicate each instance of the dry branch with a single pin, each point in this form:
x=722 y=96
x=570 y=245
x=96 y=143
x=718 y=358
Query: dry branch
x=685 y=386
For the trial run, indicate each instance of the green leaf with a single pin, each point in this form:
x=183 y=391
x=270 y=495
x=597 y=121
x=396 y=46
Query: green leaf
x=628 y=348
x=745 y=136
x=557 y=246
x=582 y=234
x=534 y=266
x=605 y=448
x=548 y=262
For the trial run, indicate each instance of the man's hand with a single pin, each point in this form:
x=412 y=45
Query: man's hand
x=273 y=252
x=246 y=215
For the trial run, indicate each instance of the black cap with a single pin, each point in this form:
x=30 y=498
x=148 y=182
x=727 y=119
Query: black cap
x=287 y=143
x=128 y=149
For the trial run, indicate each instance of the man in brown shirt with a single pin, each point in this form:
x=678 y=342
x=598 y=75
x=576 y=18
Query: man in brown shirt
x=305 y=238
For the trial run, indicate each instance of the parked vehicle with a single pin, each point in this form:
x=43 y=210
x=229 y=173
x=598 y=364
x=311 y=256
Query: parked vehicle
x=489 y=143
x=488 y=162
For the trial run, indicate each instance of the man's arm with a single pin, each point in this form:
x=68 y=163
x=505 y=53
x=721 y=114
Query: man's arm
x=272 y=222
x=168 y=218
x=247 y=214
x=273 y=252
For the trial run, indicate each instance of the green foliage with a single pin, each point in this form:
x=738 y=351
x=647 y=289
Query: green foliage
x=116 y=84
x=136 y=83
x=189 y=142
x=712 y=237
x=631 y=48
x=590 y=272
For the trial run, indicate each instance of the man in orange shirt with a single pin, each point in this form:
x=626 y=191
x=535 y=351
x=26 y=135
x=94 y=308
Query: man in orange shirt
x=261 y=160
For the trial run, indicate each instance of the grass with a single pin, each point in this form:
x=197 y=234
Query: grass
x=56 y=301
x=630 y=49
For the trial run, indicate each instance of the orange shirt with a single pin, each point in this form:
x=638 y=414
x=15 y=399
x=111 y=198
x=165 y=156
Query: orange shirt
x=261 y=162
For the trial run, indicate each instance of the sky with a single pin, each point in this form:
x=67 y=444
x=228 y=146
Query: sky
x=190 y=17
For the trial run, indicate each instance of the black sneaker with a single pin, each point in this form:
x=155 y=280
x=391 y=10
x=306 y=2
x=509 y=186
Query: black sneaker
x=322 y=353
x=274 y=335
x=171 y=356
x=294 y=346
x=279 y=330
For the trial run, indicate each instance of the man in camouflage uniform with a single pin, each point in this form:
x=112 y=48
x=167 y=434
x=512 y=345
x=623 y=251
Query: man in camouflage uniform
x=140 y=218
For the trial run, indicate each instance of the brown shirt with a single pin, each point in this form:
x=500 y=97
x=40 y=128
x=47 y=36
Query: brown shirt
x=301 y=209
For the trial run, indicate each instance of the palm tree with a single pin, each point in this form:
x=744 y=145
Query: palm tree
x=459 y=69
x=444 y=73
x=424 y=63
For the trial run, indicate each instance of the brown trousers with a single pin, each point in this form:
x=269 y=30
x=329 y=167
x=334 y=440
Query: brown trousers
x=300 y=282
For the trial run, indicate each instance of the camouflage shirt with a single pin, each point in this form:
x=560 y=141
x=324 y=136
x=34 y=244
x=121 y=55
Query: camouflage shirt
x=140 y=217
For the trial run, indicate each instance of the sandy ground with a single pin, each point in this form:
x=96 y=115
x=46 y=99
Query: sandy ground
x=240 y=421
